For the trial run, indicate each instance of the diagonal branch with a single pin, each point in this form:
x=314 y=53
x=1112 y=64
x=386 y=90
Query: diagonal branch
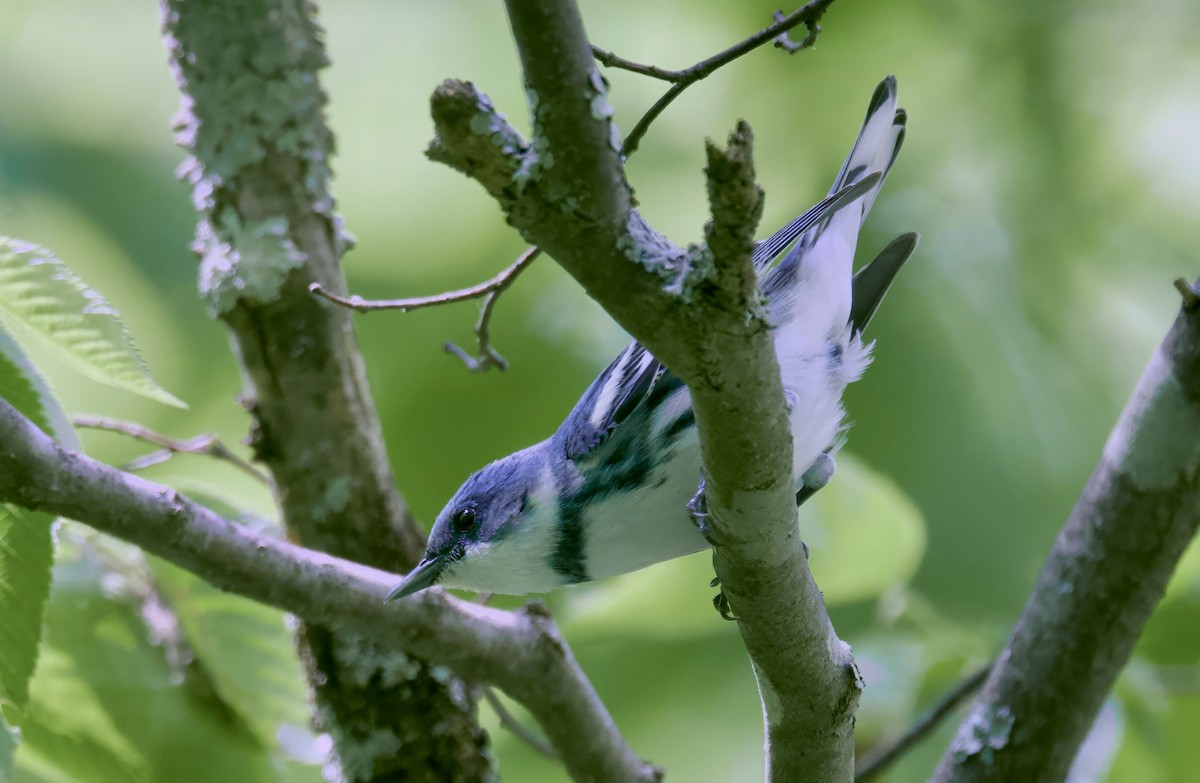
x=519 y=652
x=1107 y=571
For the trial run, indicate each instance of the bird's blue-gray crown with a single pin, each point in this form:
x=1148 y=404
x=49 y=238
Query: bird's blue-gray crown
x=608 y=492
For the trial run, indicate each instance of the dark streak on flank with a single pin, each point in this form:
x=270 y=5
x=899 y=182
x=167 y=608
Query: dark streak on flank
x=683 y=422
x=623 y=463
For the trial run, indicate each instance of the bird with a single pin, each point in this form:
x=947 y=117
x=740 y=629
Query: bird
x=615 y=488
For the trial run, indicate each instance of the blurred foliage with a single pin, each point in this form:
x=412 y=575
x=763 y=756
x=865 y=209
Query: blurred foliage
x=1050 y=166
x=26 y=552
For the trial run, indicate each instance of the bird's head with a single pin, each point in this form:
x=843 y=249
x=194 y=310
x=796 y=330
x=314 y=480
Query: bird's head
x=488 y=510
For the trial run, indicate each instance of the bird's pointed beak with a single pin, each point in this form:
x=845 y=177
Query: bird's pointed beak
x=423 y=575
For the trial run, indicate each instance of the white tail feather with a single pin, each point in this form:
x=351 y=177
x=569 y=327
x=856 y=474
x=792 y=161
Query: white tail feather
x=810 y=291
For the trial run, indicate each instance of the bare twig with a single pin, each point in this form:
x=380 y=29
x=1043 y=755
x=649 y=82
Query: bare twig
x=784 y=41
x=488 y=357
x=809 y=15
x=510 y=722
x=520 y=652
x=204 y=445
x=498 y=283
x=880 y=760
x=490 y=290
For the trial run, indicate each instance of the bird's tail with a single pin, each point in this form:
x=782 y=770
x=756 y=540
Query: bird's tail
x=815 y=275
x=877 y=144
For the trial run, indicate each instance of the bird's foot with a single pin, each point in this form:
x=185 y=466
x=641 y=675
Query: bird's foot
x=815 y=478
x=698 y=510
x=720 y=602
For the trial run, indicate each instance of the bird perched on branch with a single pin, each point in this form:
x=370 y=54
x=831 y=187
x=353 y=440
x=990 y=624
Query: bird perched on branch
x=609 y=492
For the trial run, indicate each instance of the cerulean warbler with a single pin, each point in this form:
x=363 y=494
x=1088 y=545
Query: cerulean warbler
x=609 y=492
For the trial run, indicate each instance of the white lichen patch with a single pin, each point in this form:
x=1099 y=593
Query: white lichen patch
x=535 y=160
x=244 y=261
x=335 y=499
x=600 y=108
x=984 y=733
x=356 y=757
x=361 y=660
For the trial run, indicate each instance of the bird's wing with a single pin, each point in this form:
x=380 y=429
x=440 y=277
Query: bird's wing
x=767 y=250
x=635 y=376
x=621 y=388
x=873 y=280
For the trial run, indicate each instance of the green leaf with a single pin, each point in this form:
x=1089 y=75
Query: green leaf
x=8 y=746
x=108 y=695
x=69 y=726
x=26 y=545
x=39 y=293
x=245 y=648
x=26 y=553
x=16 y=383
x=27 y=390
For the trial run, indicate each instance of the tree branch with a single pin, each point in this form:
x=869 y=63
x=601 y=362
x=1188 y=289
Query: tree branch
x=1106 y=573
x=806 y=676
x=520 y=652
x=260 y=150
x=565 y=192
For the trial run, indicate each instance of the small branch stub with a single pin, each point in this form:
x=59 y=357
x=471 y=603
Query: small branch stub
x=1187 y=291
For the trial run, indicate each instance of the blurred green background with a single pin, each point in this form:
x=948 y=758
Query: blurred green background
x=1051 y=166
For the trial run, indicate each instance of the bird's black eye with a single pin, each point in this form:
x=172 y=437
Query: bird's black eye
x=464 y=520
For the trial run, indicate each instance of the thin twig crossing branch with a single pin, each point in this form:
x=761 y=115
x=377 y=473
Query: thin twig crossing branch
x=510 y=722
x=205 y=445
x=498 y=283
x=808 y=14
x=878 y=761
